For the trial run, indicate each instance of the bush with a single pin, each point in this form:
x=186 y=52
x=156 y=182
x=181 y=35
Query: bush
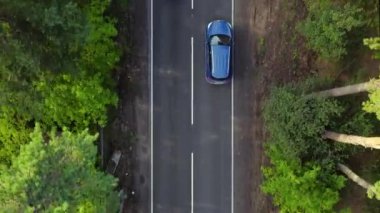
x=56 y=175
x=297 y=188
x=297 y=123
x=327 y=25
x=302 y=162
x=372 y=105
x=56 y=59
x=75 y=102
x=373 y=44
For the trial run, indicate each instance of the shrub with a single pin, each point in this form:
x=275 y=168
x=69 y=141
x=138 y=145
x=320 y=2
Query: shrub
x=327 y=25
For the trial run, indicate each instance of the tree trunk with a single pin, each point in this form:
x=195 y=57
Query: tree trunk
x=354 y=177
x=347 y=90
x=372 y=142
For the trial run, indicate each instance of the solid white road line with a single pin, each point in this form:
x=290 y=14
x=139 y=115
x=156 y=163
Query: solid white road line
x=192 y=182
x=151 y=106
x=232 y=120
x=192 y=80
x=232 y=145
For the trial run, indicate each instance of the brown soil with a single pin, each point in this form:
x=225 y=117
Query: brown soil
x=279 y=55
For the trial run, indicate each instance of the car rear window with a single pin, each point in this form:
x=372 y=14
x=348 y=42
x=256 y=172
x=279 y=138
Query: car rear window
x=220 y=40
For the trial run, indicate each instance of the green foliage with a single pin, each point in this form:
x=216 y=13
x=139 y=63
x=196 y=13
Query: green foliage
x=361 y=123
x=75 y=101
x=53 y=30
x=13 y=134
x=302 y=162
x=373 y=103
x=297 y=122
x=372 y=174
x=17 y=68
x=58 y=175
x=56 y=59
x=373 y=44
x=327 y=25
x=374 y=192
x=289 y=183
x=100 y=53
x=58 y=70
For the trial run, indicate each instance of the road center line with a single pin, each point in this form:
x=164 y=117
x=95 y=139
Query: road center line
x=192 y=182
x=192 y=80
x=192 y=4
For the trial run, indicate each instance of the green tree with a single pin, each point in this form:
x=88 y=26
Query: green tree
x=56 y=175
x=327 y=25
x=75 y=101
x=297 y=188
x=13 y=134
x=53 y=30
x=297 y=123
x=372 y=105
x=373 y=44
x=302 y=164
x=17 y=69
x=58 y=71
x=100 y=52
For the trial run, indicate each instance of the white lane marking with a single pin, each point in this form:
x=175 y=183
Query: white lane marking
x=232 y=145
x=232 y=11
x=192 y=182
x=192 y=80
x=232 y=118
x=192 y=4
x=151 y=106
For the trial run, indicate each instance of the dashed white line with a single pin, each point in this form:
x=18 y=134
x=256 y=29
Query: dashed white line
x=192 y=80
x=192 y=4
x=192 y=182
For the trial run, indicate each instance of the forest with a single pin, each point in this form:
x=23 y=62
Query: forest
x=56 y=83
x=323 y=135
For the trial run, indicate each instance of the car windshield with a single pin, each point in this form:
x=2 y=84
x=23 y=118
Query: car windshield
x=220 y=40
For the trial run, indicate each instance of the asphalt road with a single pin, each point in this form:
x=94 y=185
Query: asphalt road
x=191 y=119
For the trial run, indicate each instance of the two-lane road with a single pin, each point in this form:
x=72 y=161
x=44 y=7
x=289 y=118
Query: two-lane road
x=191 y=120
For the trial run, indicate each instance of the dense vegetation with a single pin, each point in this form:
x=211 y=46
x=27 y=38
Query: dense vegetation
x=312 y=134
x=56 y=59
x=49 y=176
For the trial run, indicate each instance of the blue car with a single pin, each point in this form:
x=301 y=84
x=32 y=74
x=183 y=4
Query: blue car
x=219 y=42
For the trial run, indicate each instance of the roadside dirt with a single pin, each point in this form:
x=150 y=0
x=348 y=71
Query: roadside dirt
x=270 y=53
x=129 y=129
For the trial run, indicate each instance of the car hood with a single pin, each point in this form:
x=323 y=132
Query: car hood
x=219 y=28
x=220 y=56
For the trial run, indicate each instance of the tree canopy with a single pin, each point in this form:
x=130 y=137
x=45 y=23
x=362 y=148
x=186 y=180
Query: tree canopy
x=372 y=105
x=303 y=163
x=56 y=59
x=327 y=25
x=56 y=174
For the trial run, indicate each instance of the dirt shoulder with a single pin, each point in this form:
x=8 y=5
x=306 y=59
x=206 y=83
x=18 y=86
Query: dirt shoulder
x=129 y=130
x=269 y=53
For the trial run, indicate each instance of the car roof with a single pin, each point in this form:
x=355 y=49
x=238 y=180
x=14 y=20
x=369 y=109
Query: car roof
x=220 y=61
